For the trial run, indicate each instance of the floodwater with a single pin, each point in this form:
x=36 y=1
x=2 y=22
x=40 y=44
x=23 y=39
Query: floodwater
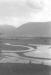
x=24 y=66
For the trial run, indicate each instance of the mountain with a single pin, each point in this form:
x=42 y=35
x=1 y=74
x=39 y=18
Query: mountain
x=7 y=31
x=35 y=29
x=30 y=29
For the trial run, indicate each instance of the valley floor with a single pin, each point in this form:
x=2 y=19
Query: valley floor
x=23 y=58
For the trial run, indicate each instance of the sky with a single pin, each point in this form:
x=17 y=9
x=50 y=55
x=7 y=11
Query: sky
x=18 y=12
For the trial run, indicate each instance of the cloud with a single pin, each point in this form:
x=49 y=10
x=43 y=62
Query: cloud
x=17 y=12
x=14 y=21
x=19 y=7
x=14 y=9
x=35 y=4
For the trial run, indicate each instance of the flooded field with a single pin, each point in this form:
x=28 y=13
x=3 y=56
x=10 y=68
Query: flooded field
x=24 y=58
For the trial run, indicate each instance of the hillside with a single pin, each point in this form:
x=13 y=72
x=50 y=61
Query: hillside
x=35 y=29
x=7 y=31
x=31 y=29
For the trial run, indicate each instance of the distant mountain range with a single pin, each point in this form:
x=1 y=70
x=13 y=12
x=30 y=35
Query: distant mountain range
x=7 y=31
x=30 y=29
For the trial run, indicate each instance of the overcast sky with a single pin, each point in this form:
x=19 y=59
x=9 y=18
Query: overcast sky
x=17 y=12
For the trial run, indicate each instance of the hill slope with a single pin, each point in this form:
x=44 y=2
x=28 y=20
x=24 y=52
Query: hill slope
x=31 y=29
x=37 y=29
x=7 y=31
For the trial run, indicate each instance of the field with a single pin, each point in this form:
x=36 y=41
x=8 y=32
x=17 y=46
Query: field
x=21 y=56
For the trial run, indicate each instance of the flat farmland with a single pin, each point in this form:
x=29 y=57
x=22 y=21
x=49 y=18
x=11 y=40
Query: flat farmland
x=26 y=48
x=23 y=57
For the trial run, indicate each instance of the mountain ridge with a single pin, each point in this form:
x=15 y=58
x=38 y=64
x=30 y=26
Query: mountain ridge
x=35 y=29
x=30 y=29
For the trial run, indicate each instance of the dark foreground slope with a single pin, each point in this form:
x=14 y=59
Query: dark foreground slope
x=24 y=69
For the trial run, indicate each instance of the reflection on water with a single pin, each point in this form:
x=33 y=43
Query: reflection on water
x=22 y=68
